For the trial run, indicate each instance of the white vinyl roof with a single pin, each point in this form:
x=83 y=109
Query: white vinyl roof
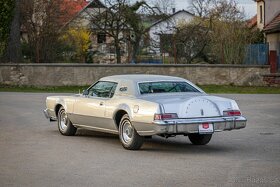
x=140 y=78
x=130 y=82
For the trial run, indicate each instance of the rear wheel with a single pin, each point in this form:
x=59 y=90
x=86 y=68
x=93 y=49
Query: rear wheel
x=129 y=137
x=65 y=126
x=200 y=139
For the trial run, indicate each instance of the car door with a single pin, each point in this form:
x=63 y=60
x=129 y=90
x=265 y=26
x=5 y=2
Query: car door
x=89 y=109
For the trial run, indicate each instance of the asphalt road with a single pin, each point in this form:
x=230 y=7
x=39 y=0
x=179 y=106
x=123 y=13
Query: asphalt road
x=33 y=153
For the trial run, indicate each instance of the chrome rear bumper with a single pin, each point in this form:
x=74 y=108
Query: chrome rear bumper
x=187 y=126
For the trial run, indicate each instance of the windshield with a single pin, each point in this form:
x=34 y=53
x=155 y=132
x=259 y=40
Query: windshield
x=165 y=87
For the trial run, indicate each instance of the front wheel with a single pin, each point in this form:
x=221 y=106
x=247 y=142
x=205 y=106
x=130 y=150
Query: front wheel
x=65 y=126
x=129 y=137
x=200 y=139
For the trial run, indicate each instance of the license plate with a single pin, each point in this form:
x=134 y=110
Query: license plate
x=205 y=128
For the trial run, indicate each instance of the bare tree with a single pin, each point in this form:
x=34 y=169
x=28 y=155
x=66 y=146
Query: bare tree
x=122 y=21
x=217 y=9
x=228 y=34
x=165 y=6
x=189 y=41
x=200 y=7
x=6 y=16
x=42 y=21
x=13 y=50
x=133 y=17
x=111 y=21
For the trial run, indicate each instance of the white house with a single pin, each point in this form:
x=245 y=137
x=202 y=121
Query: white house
x=268 y=21
x=166 y=27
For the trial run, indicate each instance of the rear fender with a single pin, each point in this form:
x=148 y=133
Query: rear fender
x=124 y=107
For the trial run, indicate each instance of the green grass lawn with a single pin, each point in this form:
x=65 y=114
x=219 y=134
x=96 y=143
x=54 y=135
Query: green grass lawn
x=206 y=88
x=240 y=89
x=49 y=89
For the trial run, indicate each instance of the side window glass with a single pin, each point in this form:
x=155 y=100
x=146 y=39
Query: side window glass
x=113 y=90
x=103 y=89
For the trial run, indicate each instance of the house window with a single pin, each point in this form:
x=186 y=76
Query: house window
x=101 y=38
x=261 y=13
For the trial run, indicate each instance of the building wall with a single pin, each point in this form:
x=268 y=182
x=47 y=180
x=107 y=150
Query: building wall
x=86 y=74
x=272 y=9
x=103 y=52
x=260 y=24
x=83 y=19
x=274 y=41
x=274 y=45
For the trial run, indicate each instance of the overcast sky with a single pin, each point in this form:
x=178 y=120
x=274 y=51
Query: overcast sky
x=249 y=6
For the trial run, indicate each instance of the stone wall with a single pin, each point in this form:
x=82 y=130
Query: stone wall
x=86 y=74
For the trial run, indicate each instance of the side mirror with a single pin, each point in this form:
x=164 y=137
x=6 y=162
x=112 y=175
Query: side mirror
x=85 y=92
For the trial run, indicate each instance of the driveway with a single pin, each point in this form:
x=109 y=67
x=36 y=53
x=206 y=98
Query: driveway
x=33 y=153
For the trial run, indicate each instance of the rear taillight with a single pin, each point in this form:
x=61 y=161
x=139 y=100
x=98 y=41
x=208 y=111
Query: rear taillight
x=165 y=116
x=232 y=113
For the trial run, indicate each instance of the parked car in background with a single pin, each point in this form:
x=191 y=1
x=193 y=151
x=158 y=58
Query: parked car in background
x=139 y=106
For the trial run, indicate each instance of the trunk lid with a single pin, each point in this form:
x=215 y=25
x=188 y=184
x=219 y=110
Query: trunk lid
x=192 y=105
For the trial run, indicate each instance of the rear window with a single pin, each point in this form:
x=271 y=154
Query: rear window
x=165 y=87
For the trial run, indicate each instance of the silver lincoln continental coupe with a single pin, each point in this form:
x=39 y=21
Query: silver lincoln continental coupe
x=139 y=106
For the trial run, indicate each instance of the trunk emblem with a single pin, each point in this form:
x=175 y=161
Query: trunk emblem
x=202 y=112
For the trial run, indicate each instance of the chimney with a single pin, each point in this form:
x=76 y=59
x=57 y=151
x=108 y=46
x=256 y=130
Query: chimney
x=173 y=10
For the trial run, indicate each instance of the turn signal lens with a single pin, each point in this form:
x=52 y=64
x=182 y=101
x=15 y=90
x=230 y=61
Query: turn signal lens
x=232 y=113
x=165 y=116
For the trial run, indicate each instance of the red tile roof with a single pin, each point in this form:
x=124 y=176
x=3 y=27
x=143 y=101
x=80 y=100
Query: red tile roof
x=70 y=8
x=252 y=22
x=273 y=26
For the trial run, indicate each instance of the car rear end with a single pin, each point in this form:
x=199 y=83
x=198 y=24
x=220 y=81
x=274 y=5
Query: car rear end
x=186 y=109
x=199 y=114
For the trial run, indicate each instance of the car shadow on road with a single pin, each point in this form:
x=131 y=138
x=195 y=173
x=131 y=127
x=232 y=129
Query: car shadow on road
x=95 y=134
x=182 y=145
x=158 y=144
